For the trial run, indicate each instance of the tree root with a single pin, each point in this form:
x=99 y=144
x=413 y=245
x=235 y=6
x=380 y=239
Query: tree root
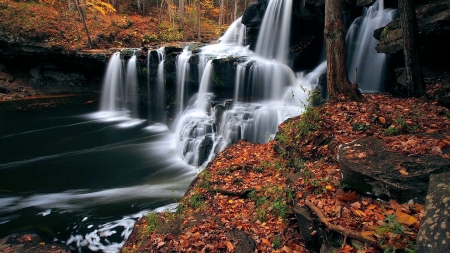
x=339 y=229
x=232 y=193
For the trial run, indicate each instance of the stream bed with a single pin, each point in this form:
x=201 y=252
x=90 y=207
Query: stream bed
x=82 y=178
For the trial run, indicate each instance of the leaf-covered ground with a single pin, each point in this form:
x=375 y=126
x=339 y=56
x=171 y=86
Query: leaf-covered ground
x=249 y=187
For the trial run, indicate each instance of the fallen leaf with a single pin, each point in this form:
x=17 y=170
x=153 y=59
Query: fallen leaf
x=367 y=233
x=371 y=206
x=382 y=120
x=266 y=242
x=356 y=205
x=359 y=213
x=405 y=218
x=230 y=246
x=403 y=172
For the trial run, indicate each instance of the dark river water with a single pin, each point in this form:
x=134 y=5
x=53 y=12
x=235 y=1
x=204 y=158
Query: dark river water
x=82 y=178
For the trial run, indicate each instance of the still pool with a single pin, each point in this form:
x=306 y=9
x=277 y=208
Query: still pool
x=83 y=178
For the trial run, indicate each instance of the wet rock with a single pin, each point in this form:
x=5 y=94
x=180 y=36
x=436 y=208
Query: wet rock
x=311 y=231
x=368 y=168
x=205 y=149
x=4 y=90
x=254 y=13
x=432 y=20
x=364 y=2
x=434 y=235
x=244 y=242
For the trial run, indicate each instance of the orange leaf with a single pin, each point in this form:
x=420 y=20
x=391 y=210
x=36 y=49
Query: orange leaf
x=359 y=213
x=371 y=206
x=230 y=246
x=349 y=196
x=266 y=242
x=390 y=212
x=382 y=120
x=403 y=172
x=405 y=218
x=367 y=233
x=330 y=187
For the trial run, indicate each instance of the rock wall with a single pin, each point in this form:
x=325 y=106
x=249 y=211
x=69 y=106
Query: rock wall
x=29 y=69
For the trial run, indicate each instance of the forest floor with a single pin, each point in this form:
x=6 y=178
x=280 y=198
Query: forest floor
x=244 y=199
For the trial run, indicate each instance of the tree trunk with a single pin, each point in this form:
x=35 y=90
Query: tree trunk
x=199 y=36
x=235 y=9
x=82 y=17
x=181 y=6
x=221 y=16
x=339 y=87
x=414 y=77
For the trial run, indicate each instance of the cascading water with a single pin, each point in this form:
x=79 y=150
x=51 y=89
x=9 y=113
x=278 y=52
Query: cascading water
x=183 y=69
x=262 y=79
x=273 y=39
x=112 y=88
x=266 y=91
x=361 y=53
x=235 y=34
x=160 y=88
x=131 y=83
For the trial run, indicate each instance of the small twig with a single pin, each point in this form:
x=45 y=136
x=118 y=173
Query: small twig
x=344 y=242
x=339 y=229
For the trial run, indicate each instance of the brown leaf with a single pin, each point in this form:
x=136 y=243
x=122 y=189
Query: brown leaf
x=230 y=246
x=405 y=218
x=266 y=242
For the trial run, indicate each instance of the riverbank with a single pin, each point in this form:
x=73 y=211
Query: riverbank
x=42 y=102
x=251 y=196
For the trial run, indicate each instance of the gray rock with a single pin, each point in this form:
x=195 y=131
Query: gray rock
x=364 y=2
x=369 y=169
x=432 y=19
x=434 y=232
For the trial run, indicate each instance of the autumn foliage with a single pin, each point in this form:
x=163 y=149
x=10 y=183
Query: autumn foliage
x=53 y=24
x=252 y=188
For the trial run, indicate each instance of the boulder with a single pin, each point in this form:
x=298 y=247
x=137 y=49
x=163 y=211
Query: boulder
x=370 y=169
x=434 y=235
x=254 y=13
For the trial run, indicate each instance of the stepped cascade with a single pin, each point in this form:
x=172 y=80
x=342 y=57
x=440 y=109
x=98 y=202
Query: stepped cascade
x=264 y=92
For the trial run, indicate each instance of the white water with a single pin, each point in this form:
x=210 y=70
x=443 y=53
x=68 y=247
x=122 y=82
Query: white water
x=160 y=88
x=235 y=34
x=183 y=69
x=361 y=47
x=131 y=84
x=274 y=36
x=112 y=85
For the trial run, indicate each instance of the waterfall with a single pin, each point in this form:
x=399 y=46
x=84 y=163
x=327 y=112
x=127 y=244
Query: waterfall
x=160 y=88
x=274 y=36
x=131 y=83
x=202 y=96
x=183 y=69
x=361 y=53
x=263 y=92
x=235 y=34
x=112 y=85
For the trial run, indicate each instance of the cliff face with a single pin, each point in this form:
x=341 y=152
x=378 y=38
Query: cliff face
x=30 y=68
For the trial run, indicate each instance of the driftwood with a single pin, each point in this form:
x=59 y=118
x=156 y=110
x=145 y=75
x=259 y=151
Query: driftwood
x=339 y=229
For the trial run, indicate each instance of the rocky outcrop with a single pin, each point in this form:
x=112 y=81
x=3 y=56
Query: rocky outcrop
x=433 y=21
x=370 y=169
x=29 y=68
x=434 y=235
